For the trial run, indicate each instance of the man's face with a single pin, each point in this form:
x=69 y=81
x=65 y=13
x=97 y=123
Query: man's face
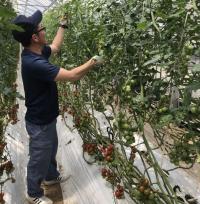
x=40 y=33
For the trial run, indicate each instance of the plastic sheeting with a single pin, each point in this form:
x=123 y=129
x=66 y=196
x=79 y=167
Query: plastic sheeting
x=28 y=7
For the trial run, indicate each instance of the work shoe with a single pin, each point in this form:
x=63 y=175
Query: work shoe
x=59 y=179
x=41 y=200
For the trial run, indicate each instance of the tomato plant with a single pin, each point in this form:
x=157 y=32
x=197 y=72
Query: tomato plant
x=8 y=93
x=148 y=48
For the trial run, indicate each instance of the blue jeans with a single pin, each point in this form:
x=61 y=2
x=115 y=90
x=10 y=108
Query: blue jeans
x=42 y=163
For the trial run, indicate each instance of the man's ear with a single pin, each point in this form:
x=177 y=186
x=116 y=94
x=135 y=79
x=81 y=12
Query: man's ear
x=35 y=38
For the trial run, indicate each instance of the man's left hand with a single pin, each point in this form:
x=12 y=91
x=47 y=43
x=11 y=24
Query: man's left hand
x=64 y=21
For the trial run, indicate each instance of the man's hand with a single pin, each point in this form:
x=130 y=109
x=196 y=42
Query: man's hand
x=98 y=59
x=64 y=21
x=58 y=40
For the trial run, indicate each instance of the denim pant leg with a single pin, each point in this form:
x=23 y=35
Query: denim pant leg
x=52 y=171
x=40 y=150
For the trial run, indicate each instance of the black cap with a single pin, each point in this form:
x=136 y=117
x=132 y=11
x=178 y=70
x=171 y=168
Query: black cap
x=29 y=25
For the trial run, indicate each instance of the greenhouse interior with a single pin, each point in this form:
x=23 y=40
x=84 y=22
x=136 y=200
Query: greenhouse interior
x=120 y=93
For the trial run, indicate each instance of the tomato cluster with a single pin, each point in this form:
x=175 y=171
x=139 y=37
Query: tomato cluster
x=119 y=192
x=126 y=128
x=2 y=146
x=194 y=109
x=108 y=152
x=128 y=89
x=90 y=148
x=133 y=153
x=81 y=120
x=13 y=114
x=109 y=175
x=145 y=190
x=7 y=166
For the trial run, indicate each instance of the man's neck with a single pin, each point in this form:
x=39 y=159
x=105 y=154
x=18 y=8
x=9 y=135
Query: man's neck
x=35 y=49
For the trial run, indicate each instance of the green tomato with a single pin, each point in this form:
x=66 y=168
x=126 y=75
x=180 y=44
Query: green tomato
x=188 y=57
x=133 y=82
x=163 y=110
x=137 y=194
x=129 y=97
x=194 y=109
x=126 y=132
x=127 y=137
x=125 y=126
x=151 y=196
x=127 y=89
x=189 y=47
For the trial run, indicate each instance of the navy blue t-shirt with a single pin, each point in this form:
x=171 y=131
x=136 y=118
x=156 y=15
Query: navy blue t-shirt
x=41 y=95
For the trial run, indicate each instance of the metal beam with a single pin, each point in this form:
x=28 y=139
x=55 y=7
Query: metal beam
x=52 y=2
x=30 y=5
x=25 y=7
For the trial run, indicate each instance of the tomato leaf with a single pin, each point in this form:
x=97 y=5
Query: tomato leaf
x=152 y=61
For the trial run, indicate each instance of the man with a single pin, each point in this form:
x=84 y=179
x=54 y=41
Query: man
x=41 y=99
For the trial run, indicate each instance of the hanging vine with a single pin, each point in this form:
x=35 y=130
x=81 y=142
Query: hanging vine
x=147 y=81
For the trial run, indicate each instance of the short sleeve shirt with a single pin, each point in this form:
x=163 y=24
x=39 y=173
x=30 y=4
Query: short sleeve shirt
x=41 y=95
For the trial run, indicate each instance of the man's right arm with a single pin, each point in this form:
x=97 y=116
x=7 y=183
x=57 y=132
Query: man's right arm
x=76 y=73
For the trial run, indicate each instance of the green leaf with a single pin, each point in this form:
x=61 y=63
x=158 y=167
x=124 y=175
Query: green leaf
x=165 y=120
x=142 y=25
x=179 y=116
x=176 y=14
x=154 y=52
x=152 y=61
x=64 y=59
x=4 y=12
x=102 y=80
x=15 y=27
x=167 y=55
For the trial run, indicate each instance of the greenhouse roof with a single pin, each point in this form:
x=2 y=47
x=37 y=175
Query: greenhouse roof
x=27 y=7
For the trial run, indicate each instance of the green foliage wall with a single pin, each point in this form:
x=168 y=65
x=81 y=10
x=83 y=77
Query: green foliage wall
x=8 y=63
x=147 y=46
x=8 y=68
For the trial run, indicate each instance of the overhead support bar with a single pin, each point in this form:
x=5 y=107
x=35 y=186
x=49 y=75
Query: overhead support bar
x=31 y=5
x=53 y=2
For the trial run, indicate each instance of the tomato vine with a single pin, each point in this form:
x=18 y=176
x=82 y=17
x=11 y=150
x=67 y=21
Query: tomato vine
x=8 y=93
x=147 y=80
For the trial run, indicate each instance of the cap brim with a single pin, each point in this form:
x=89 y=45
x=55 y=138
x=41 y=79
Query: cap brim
x=36 y=17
